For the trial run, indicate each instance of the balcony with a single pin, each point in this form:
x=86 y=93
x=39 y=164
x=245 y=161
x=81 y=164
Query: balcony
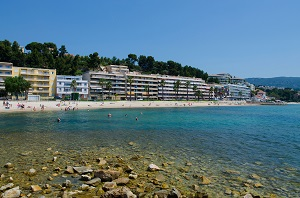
x=5 y=74
x=40 y=85
x=43 y=73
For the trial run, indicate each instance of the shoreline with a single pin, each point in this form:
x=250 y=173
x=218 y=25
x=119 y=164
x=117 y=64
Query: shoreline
x=16 y=106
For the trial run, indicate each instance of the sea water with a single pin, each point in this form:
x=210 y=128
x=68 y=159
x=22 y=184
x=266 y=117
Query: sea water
x=235 y=146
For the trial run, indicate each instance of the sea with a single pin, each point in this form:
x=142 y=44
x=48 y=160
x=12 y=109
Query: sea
x=238 y=148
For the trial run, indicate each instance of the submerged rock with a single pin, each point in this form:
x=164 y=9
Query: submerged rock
x=94 y=181
x=8 y=165
x=107 y=175
x=119 y=192
x=12 y=193
x=205 y=180
x=83 y=169
x=175 y=193
x=31 y=172
x=7 y=186
x=69 y=170
x=101 y=161
x=109 y=186
x=35 y=188
x=122 y=181
x=153 y=167
x=162 y=193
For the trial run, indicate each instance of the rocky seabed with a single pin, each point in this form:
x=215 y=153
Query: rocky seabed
x=104 y=173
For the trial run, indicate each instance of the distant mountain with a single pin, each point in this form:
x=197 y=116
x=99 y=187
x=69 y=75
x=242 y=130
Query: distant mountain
x=286 y=82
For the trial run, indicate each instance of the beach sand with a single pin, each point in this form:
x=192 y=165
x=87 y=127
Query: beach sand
x=15 y=106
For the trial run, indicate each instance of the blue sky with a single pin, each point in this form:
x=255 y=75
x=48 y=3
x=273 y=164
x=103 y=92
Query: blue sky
x=258 y=38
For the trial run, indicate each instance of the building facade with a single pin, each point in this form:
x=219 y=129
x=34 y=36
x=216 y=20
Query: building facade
x=127 y=85
x=42 y=80
x=63 y=86
x=5 y=71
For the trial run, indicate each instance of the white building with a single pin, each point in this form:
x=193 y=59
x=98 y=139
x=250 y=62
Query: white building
x=142 y=86
x=5 y=71
x=63 y=86
x=238 y=91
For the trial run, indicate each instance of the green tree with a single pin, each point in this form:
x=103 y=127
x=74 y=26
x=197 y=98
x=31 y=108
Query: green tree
x=162 y=83
x=73 y=85
x=94 y=61
x=108 y=86
x=102 y=82
x=130 y=81
x=16 y=86
x=211 y=90
x=199 y=94
x=62 y=51
x=176 y=87
x=187 y=86
x=3 y=93
x=147 y=89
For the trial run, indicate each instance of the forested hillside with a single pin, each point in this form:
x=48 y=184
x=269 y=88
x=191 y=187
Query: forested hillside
x=286 y=82
x=48 y=55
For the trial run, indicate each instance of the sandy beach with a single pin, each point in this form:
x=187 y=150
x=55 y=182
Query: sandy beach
x=25 y=106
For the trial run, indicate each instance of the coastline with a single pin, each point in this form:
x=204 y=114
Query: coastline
x=15 y=106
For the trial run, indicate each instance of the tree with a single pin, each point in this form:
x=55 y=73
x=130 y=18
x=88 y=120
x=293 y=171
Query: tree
x=216 y=92
x=162 y=83
x=187 y=86
x=94 y=61
x=210 y=92
x=130 y=81
x=16 y=85
x=3 y=93
x=108 y=86
x=62 y=51
x=199 y=94
x=147 y=89
x=102 y=82
x=195 y=88
x=176 y=87
x=73 y=85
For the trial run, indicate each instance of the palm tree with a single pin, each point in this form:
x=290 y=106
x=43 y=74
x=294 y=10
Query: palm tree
x=102 y=82
x=147 y=89
x=176 y=88
x=187 y=85
x=195 y=88
x=130 y=81
x=73 y=85
x=108 y=86
x=199 y=94
x=210 y=92
x=216 y=92
x=162 y=83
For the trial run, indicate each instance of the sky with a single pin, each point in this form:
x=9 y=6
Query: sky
x=257 y=38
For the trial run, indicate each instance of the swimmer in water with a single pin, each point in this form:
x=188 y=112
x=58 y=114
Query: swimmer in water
x=58 y=119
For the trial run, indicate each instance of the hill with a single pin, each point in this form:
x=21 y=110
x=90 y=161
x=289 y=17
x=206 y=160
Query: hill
x=286 y=82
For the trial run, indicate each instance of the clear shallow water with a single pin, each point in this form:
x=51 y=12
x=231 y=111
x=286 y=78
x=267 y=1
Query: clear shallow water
x=262 y=140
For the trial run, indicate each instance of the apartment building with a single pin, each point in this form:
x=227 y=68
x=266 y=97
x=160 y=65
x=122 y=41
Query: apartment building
x=42 y=80
x=5 y=71
x=127 y=85
x=167 y=91
x=63 y=86
x=238 y=91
